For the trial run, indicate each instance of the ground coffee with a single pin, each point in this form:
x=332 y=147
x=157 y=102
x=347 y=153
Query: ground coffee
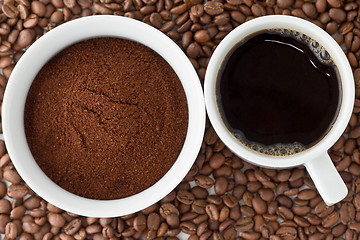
x=106 y=118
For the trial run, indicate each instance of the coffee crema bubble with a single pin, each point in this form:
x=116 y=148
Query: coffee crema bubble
x=278 y=92
x=320 y=52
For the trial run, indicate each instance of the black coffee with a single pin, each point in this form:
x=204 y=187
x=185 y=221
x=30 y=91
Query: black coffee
x=279 y=92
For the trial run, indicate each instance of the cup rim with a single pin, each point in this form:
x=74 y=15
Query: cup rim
x=335 y=51
x=46 y=47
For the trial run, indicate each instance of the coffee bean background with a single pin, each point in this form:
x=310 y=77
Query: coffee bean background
x=222 y=197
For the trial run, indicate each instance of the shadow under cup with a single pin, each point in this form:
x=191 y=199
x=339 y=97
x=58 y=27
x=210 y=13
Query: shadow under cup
x=278 y=92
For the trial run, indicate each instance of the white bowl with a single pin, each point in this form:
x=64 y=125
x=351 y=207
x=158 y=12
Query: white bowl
x=48 y=46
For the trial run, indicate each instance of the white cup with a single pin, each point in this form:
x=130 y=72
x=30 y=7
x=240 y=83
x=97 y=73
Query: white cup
x=42 y=51
x=316 y=159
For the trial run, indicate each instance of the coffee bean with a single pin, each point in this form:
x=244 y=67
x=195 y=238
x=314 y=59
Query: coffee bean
x=25 y=38
x=266 y=230
x=198 y=206
x=93 y=228
x=288 y=232
x=213 y=8
x=307 y=194
x=350 y=234
x=330 y=220
x=72 y=227
x=188 y=216
x=338 y=230
x=210 y=136
x=250 y=235
x=331 y=27
x=185 y=197
x=310 y=10
x=201 y=228
x=188 y=227
x=337 y=14
x=322 y=210
x=179 y=9
x=354 y=226
x=201 y=36
x=284 y=213
x=10 y=174
x=284 y=3
x=335 y=3
x=30 y=227
x=240 y=177
x=38 y=8
x=11 y=230
x=199 y=193
x=320 y=5
x=5 y=206
x=346 y=28
x=167 y=208
x=220 y=186
x=259 y=205
x=347 y=213
x=162 y=230
x=173 y=220
x=212 y=211
x=17 y=212
x=230 y=200
x=204 y=181
x=17 y=191
x=10 y=10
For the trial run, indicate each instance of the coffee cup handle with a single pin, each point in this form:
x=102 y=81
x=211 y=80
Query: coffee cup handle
x=326 y=178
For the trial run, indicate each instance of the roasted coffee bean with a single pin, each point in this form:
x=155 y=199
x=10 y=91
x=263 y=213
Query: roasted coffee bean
x=11 y=230
x=310 y=10
x=185 y=197
x=355 y=226
x=72 y=227
x=244 y=224
x=301 y=210
x=288 y=232
x=202 y=36
x=307 y=194
x=220 y=186
x=250 y=235
x=173 y=220
x=10 y=10
x=347 y=213
x=204 y=181
x=198 y=206
x=218 y=159
x=153 y=221
x=212 y=211
x=337 y=15
x=188 y=227
x=330 y=220
x=322 y=210
x=284 y=3
x=213 y=8
x=230 y=200
x=224 y=213
x=284 y=213
x=30 y=227
x=166 y=209
x=259 y=205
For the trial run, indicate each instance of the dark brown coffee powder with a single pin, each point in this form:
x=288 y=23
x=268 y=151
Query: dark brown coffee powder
x=106 y=118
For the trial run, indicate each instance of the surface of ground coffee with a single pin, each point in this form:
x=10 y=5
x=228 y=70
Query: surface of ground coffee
x=106 y=118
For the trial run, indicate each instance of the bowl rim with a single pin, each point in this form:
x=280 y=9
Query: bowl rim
x=46 y=47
